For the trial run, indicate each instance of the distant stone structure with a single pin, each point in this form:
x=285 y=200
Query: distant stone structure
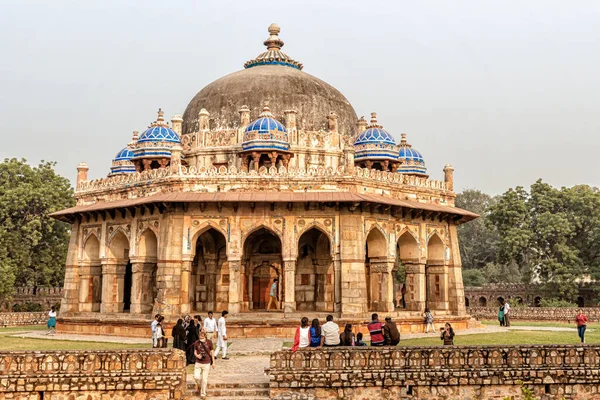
x=436 y=373
x=23 y=318
x=559 y=314
x=120 y=374
x=520 y=293
x=268 y=174
x=45 y=297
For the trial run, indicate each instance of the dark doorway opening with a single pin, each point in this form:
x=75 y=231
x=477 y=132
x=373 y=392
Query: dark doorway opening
x=127 y=288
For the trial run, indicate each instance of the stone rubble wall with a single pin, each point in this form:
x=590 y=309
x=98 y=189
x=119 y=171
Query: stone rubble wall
x=120 y=374
x=23 y=318
x=437 y=372
x=44 y=296
x=566 y=314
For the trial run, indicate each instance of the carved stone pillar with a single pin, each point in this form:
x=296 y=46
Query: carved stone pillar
x=273 y=157
x=142 y=287
x=146 y=164
x=255 y=159
x=85 y=288
x=369 y=164
x=381 y=285
x=235 y=286
x=211 y=282
x=337 y=284
x=113 y=285
x=437 y=287
x=289 y=270
x=186 y=273
x=415 y=286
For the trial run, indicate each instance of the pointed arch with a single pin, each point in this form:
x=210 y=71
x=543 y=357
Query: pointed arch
x=317 y=226
x=257 y=228
x=408 y=246
x=200 y=230
x=91 y=248
x=435 y=248
x=314 y=289
x=209 y=282
x=148 y=244
x=376 y=243
x=118 y=247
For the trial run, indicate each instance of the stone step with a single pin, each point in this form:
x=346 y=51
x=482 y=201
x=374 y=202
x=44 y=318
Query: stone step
x=241 y=393
x=232 y=385
x=210 y=396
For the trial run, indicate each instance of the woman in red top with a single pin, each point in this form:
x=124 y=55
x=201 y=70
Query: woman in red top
x=582 y=321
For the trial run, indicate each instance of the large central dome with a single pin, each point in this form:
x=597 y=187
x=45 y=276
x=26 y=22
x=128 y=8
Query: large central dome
x=274 y=77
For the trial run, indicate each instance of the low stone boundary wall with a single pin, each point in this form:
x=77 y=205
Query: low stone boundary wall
x=436 y=373
x=93 y=375
x=23 y=318
x=536 y=313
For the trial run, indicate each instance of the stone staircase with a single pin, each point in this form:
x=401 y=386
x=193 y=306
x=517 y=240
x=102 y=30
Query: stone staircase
x=231 y=391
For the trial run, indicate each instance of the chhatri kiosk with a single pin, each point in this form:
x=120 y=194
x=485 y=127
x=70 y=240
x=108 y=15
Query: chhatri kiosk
x=268 y=174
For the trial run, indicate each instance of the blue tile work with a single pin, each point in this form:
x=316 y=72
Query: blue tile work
x=159 y=134
x=265 y=133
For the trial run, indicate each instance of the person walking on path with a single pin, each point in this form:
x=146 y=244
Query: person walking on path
x=222 y=336
x=501 y=314
x=153 y=326
x=376 y=331
x=302 y=337
x=273 y=295
x=506 y=311
x=192 y=338
x=347 y=337
x=447 y=335
x=391 y=334
x=205 y=358
x=161 y=340
x=582 y=321
x=315 y=333
x=210 y=326
x=179 y=335
x=429 y=321
x=51 y=324
x=330 y=333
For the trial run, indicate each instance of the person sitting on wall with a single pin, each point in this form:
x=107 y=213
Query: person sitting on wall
x=330 y=333
x=302 y=337
x=359 y=340
x=391 y=334
x=447 y=334
x=376 y=331
x=315 y=333
x=347 y=337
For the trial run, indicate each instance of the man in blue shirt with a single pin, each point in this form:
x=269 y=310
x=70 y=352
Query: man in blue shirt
x=273 y=295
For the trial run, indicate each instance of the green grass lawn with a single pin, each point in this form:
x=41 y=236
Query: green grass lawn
x=513 y=337
x=553 y=324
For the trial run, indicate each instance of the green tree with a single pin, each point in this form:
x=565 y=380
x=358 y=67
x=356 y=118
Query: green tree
x=33 y=246
x=473 y=277
x=478 y=239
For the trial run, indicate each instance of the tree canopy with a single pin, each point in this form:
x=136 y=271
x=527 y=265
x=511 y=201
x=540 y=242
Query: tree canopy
x=33 y=246
x=545 y=234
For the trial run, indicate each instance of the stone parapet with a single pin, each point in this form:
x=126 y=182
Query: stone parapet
x=439 y=372
x=23 y=318
x=561 y=314
x=121 y=374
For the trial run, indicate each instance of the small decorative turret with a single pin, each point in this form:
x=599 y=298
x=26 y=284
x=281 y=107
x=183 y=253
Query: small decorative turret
x=374 y=148
x=411 y=161
x=134 y=138
x=290 y=119
x=82 y=171
x=203 y=120
x=361 y=125
x=449 y=177
x=176 y=122
x=244 y=115
x=332 y=119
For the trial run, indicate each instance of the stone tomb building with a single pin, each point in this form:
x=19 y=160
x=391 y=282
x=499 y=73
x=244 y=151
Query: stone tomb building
x=268 y=174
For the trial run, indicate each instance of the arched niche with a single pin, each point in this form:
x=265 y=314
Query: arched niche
x=90 y=277
x=314 y=287
x=210 y=271
x=117 y=258
x=482 y=302
x=118 y=248
x=407 y=253
x=262 y=261
x=436 y=275
x=145 y=274
x=377 y=277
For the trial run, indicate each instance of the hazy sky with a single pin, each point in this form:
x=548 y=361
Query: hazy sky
x=506 y=91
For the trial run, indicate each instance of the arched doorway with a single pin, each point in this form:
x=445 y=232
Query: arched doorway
x=144 y=284
x=482 y=302
x=262 y=263
x=580 y=301
x=436 y=275
x=314 y=288
x=407 y=257
x=210 y=272
x=467 y=302
x=537 y=302
x=377 y=275
x=90 y=277
x=117 y=275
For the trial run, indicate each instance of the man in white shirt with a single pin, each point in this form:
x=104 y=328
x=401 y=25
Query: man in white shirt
x=210 y=326
x=153 y=326
x=330 y=333
x=222 y=336
x=506 y=312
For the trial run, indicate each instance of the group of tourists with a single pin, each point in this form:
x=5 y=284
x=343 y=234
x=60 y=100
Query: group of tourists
x=195 y=337
x=381 y=333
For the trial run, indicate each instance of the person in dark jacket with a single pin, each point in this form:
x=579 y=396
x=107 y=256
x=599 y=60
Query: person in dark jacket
x=347 y=337
x=192 y=337
x=179 y=335
x=391 y=335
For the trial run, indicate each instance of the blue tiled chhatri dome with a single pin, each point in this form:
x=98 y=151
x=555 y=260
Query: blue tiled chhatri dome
x=122 y=164
x=375 y=144
x=156 y=141
x=411 y=161
x=265 y=133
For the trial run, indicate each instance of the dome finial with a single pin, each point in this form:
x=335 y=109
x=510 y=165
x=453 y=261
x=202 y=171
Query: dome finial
x=373 y=118
x=161 y=116
x=266 y=111
x=403 y=138
x=273 y=42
